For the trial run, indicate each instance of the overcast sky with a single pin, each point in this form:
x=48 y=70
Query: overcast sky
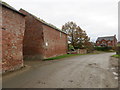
x=96 y=17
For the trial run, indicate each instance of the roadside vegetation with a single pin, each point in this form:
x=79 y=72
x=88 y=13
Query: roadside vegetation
x=117 y=52
x=71 y=55
x=118 y=49
x=116 y=56
x=63 y=56
x=105 y=49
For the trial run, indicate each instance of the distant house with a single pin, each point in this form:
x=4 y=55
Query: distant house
x=42 y=40
x=109 y=41
x=12 y=25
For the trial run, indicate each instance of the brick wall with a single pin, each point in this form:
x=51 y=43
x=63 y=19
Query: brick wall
x=0 y=38
x=55 y=42
x=33 y=38
x=13 y=26
x=108 y=43
x=81 y=51
x=42 y=41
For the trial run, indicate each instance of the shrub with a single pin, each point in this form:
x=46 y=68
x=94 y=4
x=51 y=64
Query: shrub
x=71 y=48
x=103 y=48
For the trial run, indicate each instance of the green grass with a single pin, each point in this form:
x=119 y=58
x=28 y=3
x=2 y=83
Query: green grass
x=116 y=56
x=70 y=55
x=63 y=56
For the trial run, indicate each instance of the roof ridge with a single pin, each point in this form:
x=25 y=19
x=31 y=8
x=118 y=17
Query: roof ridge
x=44 y=22
x=6 y=4
x=106 y=37
x=9 y=7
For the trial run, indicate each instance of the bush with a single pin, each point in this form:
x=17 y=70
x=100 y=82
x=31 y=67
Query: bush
x=118 y=50
x=71 y=48
x=103 y=48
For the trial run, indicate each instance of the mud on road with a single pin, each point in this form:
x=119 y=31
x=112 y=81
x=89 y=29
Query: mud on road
x=87 y=71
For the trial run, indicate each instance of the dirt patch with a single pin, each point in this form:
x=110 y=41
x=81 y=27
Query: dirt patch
x=16 y=72
x=94 y=65
x=113 y=62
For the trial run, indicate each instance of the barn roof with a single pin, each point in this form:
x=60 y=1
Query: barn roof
x=42 y=21
x=4 y=4
x=106 y=38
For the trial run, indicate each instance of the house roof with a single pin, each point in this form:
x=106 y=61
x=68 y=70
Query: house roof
x=4 y=4
x=106 y=38
x=45 y=23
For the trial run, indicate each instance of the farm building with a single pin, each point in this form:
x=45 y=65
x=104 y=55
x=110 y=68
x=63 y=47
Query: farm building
x=42 y=40
x=12 y=27
x=109 y=41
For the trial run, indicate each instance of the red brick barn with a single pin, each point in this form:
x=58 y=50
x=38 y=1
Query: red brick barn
x=42 y=40
x=109 y=41
x=12 y=30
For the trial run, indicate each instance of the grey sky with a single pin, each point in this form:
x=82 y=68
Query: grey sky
x=96 y=17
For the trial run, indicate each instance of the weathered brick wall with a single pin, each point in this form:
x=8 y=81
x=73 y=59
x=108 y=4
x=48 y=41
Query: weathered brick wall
x=33 y=38
x=0 y=38
x=55 y=42
x=42 y=41
x=13 y=26
x=82 y=51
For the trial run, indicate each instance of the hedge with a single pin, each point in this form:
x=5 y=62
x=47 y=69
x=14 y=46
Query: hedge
x=103 y=48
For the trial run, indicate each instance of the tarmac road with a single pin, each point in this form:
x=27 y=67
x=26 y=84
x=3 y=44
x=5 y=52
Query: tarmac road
x=86 y=71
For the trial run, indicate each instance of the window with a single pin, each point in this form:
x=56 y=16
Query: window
x=109 y=42
x=103 y=42
x=97 y=42
x=3 y=28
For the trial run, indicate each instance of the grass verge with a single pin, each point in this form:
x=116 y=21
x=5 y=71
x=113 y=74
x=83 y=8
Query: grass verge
x=70 y=55
x=62 y=56
x=116 y=56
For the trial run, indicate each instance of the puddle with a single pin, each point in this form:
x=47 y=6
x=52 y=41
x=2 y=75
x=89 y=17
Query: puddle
x=70 y=80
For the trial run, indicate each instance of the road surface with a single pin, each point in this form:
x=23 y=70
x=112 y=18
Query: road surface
x=86 y=71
